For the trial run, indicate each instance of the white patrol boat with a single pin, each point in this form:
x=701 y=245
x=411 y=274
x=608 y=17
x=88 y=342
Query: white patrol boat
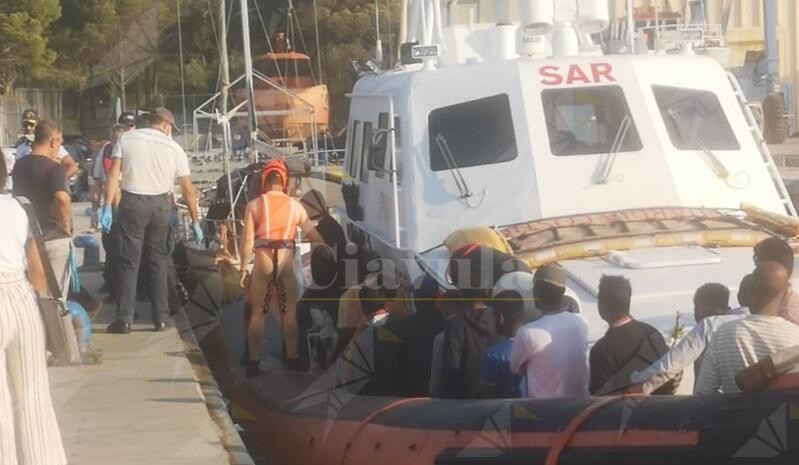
x=635 y=164
x=645 y=165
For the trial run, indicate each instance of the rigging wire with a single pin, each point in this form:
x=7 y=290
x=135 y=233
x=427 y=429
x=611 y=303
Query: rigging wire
x=182 y=74
x=269 y=42
x=291 y=38
x=318 y=48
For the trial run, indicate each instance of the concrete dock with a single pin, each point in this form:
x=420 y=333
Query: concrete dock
x=149 y=402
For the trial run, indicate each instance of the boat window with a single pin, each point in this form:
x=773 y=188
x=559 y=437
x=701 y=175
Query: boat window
x=479 y=132
x=282 y=67
x=365 y=146
x=351 y=149
x=588 y=120
x=695 y=119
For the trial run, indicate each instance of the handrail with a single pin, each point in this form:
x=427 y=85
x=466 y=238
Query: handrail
x=393 y=145
x=765 y=152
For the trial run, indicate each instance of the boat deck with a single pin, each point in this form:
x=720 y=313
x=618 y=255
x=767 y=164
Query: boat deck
x=151 y=400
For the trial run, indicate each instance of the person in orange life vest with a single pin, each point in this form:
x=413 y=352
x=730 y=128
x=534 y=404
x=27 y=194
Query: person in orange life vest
x=270 y=227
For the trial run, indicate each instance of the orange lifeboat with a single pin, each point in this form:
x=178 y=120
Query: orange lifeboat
x=295 y=98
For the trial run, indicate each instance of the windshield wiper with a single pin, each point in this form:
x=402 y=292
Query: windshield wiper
x=606 y=163
x=449 y=159
x=710 y=158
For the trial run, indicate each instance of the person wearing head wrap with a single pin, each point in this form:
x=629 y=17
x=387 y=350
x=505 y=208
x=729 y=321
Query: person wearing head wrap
x=270 y=228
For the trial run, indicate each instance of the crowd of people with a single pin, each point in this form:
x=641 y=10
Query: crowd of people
x=518 y=334
x=500 y=331
x=29 y=432
x=135 y=175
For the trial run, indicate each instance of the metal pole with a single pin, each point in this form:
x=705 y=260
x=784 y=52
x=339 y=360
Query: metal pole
x=403 y=32
x=657 y=30
x=224 y=68
x=245 y=31
x=318 y=47
x=378 y=43
x=392 y=134
x=630 y=27
x=772 y=47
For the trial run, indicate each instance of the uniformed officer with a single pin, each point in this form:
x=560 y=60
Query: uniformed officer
x=149 y=162
x=23 y=145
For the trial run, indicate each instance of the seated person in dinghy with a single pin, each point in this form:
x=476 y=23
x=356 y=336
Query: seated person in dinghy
x=711 y=311
x=742 y=343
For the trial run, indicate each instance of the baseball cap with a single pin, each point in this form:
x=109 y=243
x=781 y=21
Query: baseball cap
x=167 y=116
x=30 y=115
x=551 y=273
x=127 y=118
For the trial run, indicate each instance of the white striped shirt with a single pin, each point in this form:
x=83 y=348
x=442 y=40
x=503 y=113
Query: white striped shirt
x=688 y=351
x=740 y=344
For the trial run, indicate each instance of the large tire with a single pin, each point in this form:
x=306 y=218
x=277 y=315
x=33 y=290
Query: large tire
x=775 y=127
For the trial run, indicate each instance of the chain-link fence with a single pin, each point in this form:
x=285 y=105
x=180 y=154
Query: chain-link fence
x=46 y=102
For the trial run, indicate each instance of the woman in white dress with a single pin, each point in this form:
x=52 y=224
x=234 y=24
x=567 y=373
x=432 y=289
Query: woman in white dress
x=29 y=432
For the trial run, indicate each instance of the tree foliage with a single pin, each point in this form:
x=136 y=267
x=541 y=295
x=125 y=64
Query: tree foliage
x=347 y=33
x=57 y=43
x=24 y=50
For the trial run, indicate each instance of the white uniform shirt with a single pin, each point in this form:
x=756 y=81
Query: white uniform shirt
x=151 y=161
x=552 y=354
x=13 y=235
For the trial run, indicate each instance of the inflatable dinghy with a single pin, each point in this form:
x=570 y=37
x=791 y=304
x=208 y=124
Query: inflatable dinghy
x=298 y=421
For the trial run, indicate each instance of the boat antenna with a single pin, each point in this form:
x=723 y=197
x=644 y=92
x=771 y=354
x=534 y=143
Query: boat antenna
x=378 y=43
x=245 y=31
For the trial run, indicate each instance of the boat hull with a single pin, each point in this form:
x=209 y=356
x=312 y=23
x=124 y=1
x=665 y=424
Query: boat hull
x=296 y=423
x=295 y=418
x=309 y=107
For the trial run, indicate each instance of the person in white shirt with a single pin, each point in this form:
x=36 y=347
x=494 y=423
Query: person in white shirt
x=711 y=311
x=28 y=429
x=551 y=352
x=742 y=343
x=149 y=162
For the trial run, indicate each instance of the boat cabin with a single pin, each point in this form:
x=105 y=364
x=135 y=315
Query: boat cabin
x=289 y=69
x=500 y=143
x=526 y=120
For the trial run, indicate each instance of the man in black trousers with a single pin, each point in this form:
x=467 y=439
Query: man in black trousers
x=149 y=162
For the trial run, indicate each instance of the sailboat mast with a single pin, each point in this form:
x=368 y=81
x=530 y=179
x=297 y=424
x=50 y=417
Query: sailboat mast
x=245 y=30
x=224 y=62
x=224 y=68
